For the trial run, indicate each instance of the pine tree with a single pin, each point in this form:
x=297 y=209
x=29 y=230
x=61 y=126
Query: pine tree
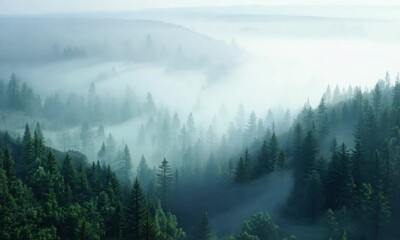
x=341 y=186
x=8 y=164
x=38 y=144
x=144 y=173
x=376 y=207
x=248 y=164
x=251 y=130
x=322 y=118
x=377 y=99
x=86 y=138
x=13 y=93
x=149 y=231
x=167 y=225
x=135 y=212
x=204 y=229
x=297 y=140
x=164 y=181
x=39 y=132
x=84 y=231
x=50 y=164
x=331 y=224
x=264 y=165
x=241 y=174
x=69 y=173
x=313 y=195
x=309 y=152
x=273 y=150
x=357 y=160
x=102 y=154
x=7 y=208
x=126 y=166
x=260 y=225
x=396 y=95
x=281 y=163
x=28 y=153
x=191 y=129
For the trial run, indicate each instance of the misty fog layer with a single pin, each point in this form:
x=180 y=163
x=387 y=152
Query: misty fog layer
x=237 y=114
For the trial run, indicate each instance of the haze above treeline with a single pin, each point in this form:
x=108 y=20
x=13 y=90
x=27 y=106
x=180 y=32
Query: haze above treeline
x=219 y=112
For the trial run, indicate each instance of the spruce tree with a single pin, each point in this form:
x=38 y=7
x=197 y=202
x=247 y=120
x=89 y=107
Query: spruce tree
x=38 y=145
x=84 y=231
x=281 y=163
x=126 y=166
x=313 y=195
x=164 y=181
x=396 y=96
x=13 y=93
x=261 y=226
x=39 y=132
x=167 y=225
x=135 y=212
x=69 y=173
x=273 y=151
x=149 y=231
x=204 y=229
x=28 y=151
x=144 y=173
x=309 y=153
x=297 y=140
x=264 y=165
x=102 y=154
x=248 y=164
x=331 y=224
x=241 y=174
x=8 y=164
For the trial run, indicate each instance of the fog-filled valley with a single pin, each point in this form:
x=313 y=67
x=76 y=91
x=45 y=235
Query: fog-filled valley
x=237 y=122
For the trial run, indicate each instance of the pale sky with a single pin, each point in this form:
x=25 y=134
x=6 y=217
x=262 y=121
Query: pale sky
x=56 y=6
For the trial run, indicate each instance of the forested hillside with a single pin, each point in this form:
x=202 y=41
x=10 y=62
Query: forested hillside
x=331 y=174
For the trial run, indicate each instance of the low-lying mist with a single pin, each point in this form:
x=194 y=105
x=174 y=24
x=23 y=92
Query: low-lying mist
x=208 y=68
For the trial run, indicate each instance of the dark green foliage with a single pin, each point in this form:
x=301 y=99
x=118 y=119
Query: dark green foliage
x=149 y=230
x=281 y=163
x=102 y=154
x=267 y=157
x=8 y=164
x=13 y=93
x=313 y=195
x=38 y=145
x=241 y=172
x=28 y=153
x=297 y=140
x=125 y=171
x=61 y=202
x=396 y=95
x=375 y=207
x=164 y=181
x=85 y=232
x=167 y=225
x=273 y=150
x=69 y=173
x=264 y=165
x=356 y=185
x=259 y=226
x=331 y=224
x=309 y=153
x=135 y=212
x=204 y=229
x=341 y=186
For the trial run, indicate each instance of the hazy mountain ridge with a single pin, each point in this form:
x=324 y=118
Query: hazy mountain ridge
x=108 y=39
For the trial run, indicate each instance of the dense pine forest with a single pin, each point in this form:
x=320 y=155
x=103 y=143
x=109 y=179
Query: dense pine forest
x=331 y=172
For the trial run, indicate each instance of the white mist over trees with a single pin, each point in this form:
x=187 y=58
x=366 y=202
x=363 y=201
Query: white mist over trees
x=237 y=123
